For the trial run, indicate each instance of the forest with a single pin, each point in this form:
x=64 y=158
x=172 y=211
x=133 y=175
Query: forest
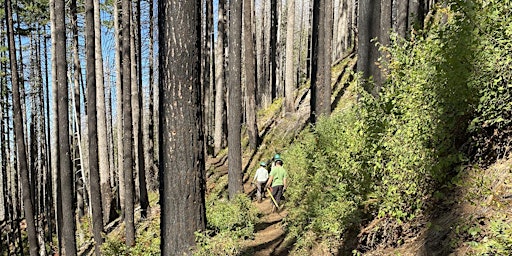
x=135 y=127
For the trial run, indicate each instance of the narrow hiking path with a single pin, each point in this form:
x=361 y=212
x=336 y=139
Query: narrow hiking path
x=270 y=234
x=269 y=237
x=277 y=131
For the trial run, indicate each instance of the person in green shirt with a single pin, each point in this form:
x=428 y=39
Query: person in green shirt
x=278 y=179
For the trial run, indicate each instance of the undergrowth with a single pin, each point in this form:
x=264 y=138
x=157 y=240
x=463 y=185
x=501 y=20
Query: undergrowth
x=147 y=234
x=229 y=223
x=147 y=242
x=386 y=157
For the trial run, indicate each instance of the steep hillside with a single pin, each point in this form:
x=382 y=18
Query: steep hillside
x=466 y=219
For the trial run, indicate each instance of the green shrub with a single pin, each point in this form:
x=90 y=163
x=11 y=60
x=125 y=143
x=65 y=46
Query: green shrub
x=428 y=102
x=492 y=76
x=147 y=240
x=229 y=222
x=237 y=215
x=499 y=239
x=330 y=177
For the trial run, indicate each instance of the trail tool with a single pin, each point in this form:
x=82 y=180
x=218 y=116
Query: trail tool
x=272 y=197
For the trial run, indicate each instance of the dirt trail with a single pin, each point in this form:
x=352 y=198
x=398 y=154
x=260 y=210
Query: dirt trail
x=269 y=231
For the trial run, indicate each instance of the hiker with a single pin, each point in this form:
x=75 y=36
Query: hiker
x=276 y=157
x=260 y=179
x=278 y=179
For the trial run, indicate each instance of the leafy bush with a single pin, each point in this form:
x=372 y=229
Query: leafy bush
x=499 y=239
x=229 y=222
x=330 y=177
x=147 y=240
x=385 y=156
x=492 y=76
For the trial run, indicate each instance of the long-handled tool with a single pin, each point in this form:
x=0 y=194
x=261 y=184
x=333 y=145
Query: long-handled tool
x=272 y=197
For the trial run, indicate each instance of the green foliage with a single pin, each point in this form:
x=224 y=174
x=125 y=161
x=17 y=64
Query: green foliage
x=428 y=102
x=386 y=156
x=275 y=107
x=499 y=239
x=32 y=12
x=147 y=242
x=84 y=229
x=492 y=76
x=237 y=215
x=330 y=177
x=229 y=222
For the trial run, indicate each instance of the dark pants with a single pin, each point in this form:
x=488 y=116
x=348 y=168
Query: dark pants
x=260 y=185
x=277 y=193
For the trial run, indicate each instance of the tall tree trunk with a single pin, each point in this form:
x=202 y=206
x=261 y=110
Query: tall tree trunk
x=66 y=172
x=57 y=192
x=51 y=184
x=103 y=153
x=264 y=89
x=4 y=212
x=127 y=125
x=289 y=90
x=23 y=93
x=250 y=76
x=235 y=99
x=182 y=191
x=119 y=95
x=260 y=54
x=207 y=33
x=45 y=198
x=344 y=27
x=19 y=133
x=385 y=30
x=273 y=48
x=374 y=50
x=219 y=81
x=133 y=97
x=363 y=37
x=325 y=91
x=416 y=14
x=368 y=23
x=77 y=76
x=38 y=144
x=110 y=134
x=137 y=113
x=210 y=111
x=30 y=135
x=318 y=80
x=402 y=19
x=94 y=172
x=32 y=118
x=152 y=172
x=112 y=214
x=385 y=22
x=280 y=51
x=8 y=207
x=156 y=114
